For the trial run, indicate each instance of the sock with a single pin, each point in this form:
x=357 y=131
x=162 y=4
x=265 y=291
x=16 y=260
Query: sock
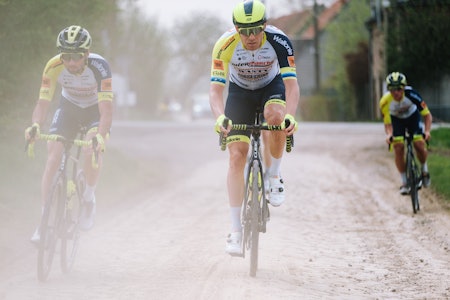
x=425 y=168
x=89 y=193
x=235 y=212
x=275 y=167
x=403 y=176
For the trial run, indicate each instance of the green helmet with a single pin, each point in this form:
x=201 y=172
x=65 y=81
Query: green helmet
x=396 y=79
x=73 y=39
x=249 y=13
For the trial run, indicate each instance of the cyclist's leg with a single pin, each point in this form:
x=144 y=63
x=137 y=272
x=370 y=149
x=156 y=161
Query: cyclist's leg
x=419 y=146
x=62 y=124
x=419 y=142
x=240 y=108
x=91 y=117
x=274 y=112
x=274 y=103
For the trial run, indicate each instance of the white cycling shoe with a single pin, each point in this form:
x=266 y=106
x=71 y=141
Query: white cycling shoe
x=276 y=191
x=36 y=238
x=233 y=246
x=87 y=215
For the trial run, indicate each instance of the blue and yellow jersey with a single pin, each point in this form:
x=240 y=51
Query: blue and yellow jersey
x=252 y=69
x=86 y=89
x=404 y=108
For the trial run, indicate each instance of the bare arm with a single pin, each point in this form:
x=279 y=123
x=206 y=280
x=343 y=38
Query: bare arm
x=389 y=131
x=292 y=96
x=427 y=121
x=40 y=111
x=216 y=99
x=106 y=112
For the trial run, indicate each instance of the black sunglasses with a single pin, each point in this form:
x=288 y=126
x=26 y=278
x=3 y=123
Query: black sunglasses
x=395 y=88
x=72 y=56
x=251 y=30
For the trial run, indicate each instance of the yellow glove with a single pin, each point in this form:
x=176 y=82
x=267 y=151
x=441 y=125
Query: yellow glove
x=219 y=122
x=100 y=142
x=291 y=121
x=32 y=132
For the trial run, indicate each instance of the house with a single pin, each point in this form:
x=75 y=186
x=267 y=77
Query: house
x=301 y=29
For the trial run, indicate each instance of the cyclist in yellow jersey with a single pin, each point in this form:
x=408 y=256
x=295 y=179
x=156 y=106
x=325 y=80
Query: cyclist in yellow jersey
x=258 y=60
x=403 y=108
x=86 y=101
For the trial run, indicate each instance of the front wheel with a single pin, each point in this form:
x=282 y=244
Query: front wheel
x=50 y=226
x=255 y=214
x=413 y=182
x=71 y=233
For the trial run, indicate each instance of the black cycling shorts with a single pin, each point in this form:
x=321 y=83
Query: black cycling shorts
x=413 y=123
x=70 y=118
x=242 y=104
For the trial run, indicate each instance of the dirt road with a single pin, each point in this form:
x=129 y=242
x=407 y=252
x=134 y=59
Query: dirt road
x=343 y=232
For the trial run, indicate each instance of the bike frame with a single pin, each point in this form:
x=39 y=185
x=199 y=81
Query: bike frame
x=62 y=209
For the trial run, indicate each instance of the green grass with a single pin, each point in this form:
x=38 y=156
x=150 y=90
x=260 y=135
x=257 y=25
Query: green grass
x=439 y=161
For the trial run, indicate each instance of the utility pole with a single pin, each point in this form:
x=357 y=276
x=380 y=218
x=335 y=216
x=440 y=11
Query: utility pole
x=316 y=46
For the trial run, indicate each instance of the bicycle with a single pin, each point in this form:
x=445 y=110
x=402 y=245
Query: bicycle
x=62 y=208
x=413 y=172
x=255 y=210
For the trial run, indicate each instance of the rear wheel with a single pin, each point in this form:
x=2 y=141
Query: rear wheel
x=71 y=233
x=50 y=227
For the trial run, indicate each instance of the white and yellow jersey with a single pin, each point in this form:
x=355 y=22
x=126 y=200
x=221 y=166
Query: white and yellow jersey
x=410 y=102
x=252 y=69
x=84 y=90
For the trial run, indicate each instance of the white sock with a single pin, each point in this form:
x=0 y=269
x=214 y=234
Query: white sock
x=235 y=213
x=89 y=193
x=425 y=168
x=403 y=176
x=275 y=167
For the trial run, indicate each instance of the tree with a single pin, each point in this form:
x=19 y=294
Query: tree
x=345 y=37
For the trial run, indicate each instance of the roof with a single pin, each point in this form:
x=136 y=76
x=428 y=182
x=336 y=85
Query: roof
x=300 y=25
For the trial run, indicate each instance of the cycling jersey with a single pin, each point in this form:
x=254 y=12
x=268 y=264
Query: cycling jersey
x=404 y=108
x=252 y=69
x=83 y=90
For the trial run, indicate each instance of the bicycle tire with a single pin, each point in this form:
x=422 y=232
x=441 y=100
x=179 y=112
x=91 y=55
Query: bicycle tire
x=255 y=217
x=71 y=233
x=412 y=181
x=50 y=226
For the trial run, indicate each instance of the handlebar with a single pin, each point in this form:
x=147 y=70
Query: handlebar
x=257 y=127
x=58 y=138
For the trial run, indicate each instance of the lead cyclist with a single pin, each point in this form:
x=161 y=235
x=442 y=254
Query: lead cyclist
x=258 y=60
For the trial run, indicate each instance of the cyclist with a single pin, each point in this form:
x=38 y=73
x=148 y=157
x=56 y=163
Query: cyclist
x=258 y=60
x=86 y=101
x=402 y=107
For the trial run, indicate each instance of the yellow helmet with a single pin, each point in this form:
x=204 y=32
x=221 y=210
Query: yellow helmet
x=249 y=13
x=73 y=39
x=396 y=79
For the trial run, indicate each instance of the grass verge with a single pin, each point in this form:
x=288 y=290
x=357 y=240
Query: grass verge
x=439 y=161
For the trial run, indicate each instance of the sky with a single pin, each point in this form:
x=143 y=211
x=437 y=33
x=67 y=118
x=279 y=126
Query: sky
x=169 y=11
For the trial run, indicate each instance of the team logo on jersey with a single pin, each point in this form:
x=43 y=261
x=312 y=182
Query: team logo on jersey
x=291 y=61
x=46 y=82
x=106 y=84
x=218 y=64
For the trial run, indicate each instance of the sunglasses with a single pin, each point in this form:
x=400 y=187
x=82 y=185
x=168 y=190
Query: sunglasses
x=251 y=30
x=72 y=56
x=395 y=88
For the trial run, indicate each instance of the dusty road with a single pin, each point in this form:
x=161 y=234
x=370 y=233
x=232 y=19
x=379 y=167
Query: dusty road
x=343 y=232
